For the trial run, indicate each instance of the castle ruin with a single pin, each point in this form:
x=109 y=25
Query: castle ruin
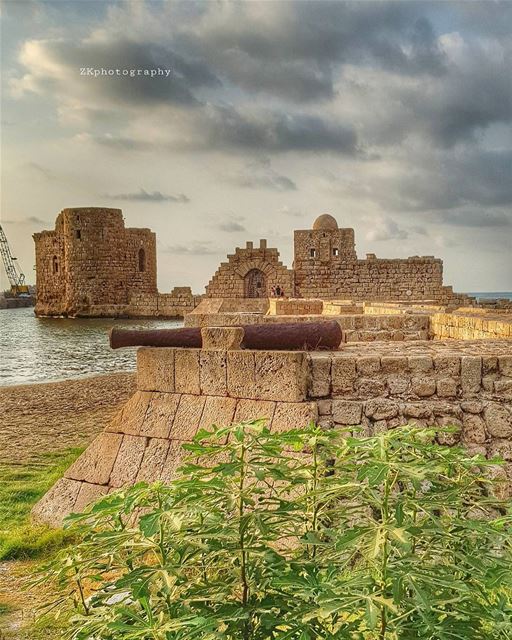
x=326 y=266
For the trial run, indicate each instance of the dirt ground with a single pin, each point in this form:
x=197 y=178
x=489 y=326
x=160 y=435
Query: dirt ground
x=42 y=418
x=39 y=418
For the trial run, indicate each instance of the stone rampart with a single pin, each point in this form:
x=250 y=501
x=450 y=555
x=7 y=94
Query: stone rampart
x=464 y=326
x=377 y=387
x=176 y=304
x=294 y=306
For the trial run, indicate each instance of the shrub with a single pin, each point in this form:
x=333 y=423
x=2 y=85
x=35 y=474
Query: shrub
x=299 y=535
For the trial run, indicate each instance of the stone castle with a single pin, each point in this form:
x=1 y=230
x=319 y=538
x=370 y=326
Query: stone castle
x=92 y=265
x=326 y=266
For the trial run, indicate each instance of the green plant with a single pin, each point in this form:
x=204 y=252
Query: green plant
x=299 y=535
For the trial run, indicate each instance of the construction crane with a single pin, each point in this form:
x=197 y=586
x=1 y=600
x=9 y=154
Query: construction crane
x=15 y=275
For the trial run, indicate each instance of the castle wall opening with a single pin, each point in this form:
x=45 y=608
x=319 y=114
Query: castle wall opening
x=255 y=284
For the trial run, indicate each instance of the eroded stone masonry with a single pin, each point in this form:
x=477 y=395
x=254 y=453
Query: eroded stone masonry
x=92 y=265
x=380 y=386
x=326 y=266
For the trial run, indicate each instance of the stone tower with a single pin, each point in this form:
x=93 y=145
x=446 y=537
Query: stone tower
x=320 y=251
x=90 y=260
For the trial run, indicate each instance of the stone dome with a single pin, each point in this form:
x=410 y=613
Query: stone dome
x=325 y=221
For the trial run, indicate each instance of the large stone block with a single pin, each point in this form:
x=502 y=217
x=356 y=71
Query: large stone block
x=218 y=411
x=128 y=461
x=97 y=461
x=423 y=387
x=474 y=428
x=320 y=376
x=131 y=417
x=155 y=369
x=281 y=375
x=368 y=365
x=57 y=503
x=213 y=372
x=394 y=364
x=498 y=420
x=187 y=371
x=173 y=461
x=447 y=387
x=160 y=415
x=471 y=374
x=248 y=410
x=381 y=409
x=88 y=494
x=188 y=417
x=347 y=412
x=294 y=415
x=344 y=374
x=153 y=460
x=222 y=338
x=241 y=377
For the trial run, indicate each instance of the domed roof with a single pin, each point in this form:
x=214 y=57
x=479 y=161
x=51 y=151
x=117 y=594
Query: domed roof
x=325 y=221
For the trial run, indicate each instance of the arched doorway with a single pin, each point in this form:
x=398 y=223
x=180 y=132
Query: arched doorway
x=255 y=284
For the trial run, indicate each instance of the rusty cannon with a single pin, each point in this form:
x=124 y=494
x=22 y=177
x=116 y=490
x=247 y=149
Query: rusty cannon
x=304 y=336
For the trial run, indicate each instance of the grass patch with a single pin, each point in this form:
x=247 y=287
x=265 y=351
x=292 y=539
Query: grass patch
x=21 y=486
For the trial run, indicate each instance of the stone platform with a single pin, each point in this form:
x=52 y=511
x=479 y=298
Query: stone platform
x=378 y=386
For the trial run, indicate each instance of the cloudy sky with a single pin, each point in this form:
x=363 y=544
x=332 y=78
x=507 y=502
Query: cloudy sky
x=395 y=117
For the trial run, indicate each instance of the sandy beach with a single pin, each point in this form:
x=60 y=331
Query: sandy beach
x=39 y=418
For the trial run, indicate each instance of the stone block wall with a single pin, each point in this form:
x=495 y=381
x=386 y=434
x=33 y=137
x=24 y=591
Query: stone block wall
x=250 y=273
x=91 y=260
x=294 y=307
x=376 y=387
x=176 y=304
x=464 y=326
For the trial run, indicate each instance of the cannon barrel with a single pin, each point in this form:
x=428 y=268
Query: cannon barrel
x=272 y=336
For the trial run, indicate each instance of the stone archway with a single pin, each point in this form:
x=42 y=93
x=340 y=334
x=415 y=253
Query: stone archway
x=255 y=284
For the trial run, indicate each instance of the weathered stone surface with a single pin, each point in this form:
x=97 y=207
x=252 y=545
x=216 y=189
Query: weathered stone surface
x=324 y=407
x=320 y=376
x=188 y=417
x=472 y=406
x=447 y=365
x=503 y=388
x=128 y=461
x=381 y=409
x=447 y=387
x=88 y=494
x=474 y=428
x=423 y=387
x=501 y=448
x=293 y=415
x=131 y=417
x=369 y=388
x=471 y=374
x=368 y=365
x=222 y=338
x=347 y=412
x=214 y=381
x=417 y=410
x=420 y=363
x=174 y=460
x=159 y=415
x=505 y=365
x=398 y=384
x=498 y=420
x=57 y=503
x=393 y=364
x=96 y=462
x=218 y=411
x=281 y=375
x=153 y=460
x=449 y=438
x=241 y=377
x=187 y=371
x=247 y=410
x=344 y=375
x=155 y=369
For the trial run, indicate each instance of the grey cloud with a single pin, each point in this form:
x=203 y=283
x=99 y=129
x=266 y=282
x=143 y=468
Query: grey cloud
x=231 y=226
x=259 y=174
x=477 y=219
x=386 y=229
x=145 y=196
x=274 y=131
x=198 y=248
x=27 y=220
